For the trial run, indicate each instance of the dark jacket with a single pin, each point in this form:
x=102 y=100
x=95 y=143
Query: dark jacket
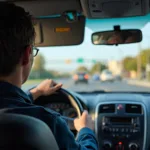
x=14 y=100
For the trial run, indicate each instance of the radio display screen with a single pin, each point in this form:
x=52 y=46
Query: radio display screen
x=120 y=120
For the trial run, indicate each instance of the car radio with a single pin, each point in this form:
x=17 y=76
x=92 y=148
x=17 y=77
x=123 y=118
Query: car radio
x=126 y=121
x=120 y=130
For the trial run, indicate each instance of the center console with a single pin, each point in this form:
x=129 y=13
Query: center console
x=120 y=126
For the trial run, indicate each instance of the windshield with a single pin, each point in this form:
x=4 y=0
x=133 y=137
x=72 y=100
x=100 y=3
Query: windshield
x=89 y=67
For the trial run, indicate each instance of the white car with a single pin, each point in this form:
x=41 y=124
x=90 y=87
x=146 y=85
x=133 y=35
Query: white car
x=106 y=75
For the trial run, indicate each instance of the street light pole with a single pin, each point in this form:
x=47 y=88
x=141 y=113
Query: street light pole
x=139 y=61
x=121 y=53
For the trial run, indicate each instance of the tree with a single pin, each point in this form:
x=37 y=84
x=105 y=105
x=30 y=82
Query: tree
x=39 y=63
x=38 y=70
x=82 y=69
x=98 y=67
x=145 y=57
x=130 y=63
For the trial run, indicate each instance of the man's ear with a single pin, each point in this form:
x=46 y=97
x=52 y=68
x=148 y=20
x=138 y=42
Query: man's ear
x=26 y=55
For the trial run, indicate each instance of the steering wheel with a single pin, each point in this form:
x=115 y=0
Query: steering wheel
x=73 y=100
x=75 y=103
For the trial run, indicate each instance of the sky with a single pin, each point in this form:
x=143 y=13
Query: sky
x=102 y=53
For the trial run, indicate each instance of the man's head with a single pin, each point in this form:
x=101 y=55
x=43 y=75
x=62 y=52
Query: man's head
x=16 y=40
x=116 y=38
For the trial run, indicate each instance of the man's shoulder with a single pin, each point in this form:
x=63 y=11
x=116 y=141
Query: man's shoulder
x=32 y=110
x=50 y=117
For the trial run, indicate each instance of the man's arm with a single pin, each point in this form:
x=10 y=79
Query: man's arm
x=86 y=139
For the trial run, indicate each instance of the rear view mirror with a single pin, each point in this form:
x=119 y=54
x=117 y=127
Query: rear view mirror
x=117 y=37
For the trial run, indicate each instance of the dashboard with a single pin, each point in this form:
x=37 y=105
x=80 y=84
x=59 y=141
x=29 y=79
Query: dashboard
x=64 y=109
x=58 y=103
x=122 y=120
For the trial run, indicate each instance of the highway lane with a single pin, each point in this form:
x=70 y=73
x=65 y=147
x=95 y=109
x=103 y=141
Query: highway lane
x=96 y=86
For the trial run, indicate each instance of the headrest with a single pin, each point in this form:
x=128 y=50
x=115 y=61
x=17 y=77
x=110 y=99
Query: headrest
x=21 y=132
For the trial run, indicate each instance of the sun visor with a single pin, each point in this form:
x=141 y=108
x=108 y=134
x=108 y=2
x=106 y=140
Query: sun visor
x=59 y=31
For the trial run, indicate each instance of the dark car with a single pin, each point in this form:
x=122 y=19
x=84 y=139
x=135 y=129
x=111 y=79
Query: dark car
x=81 y=77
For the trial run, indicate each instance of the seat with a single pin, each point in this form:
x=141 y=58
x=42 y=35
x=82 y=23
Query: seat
x=20 y=132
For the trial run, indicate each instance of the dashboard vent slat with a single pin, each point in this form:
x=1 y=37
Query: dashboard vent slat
x=133 y=108
x=107 y=108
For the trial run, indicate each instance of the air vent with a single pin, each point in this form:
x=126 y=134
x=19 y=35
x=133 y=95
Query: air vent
x=108 y=108
x=133 y=108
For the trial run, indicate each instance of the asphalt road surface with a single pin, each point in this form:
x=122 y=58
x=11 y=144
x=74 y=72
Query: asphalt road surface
x=97 y=86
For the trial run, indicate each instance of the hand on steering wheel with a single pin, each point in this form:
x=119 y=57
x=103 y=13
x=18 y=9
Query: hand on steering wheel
x=84 y=121
x=45 y=88
x=48 y=87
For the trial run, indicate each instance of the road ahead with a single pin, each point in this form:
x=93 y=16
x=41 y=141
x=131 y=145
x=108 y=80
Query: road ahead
x=97 y=85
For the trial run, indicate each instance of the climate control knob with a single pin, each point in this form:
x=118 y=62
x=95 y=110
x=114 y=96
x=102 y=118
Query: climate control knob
x=107 y=145
x=133 y=146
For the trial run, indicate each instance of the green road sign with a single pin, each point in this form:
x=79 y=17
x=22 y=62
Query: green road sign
x=80 y=60
x=94 y=61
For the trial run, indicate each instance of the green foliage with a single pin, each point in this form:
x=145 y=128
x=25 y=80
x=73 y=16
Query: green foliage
x=39 y=63
x=130 y=63
x=39 y=71
x=97 y=68
x=145 y=57
x=41 y=75
x=82 y=69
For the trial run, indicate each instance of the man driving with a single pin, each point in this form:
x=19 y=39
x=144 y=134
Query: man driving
x=16 y=58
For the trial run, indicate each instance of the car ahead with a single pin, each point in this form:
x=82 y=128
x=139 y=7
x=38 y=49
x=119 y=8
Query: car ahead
x=96 y=77
x=81 y=77
x=106 y=75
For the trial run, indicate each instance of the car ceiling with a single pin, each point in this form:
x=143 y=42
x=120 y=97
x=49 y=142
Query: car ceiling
x=50 y=7
x=53 y=7
x=43 y=8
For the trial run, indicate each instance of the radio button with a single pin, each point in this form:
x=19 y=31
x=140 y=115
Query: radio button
x=106 y=130
x=117 y=129
x=113 y=135
x=127 y=136
x=135 y=131
x=103 y=123
x=107 y=145
x=135 y=125
x=131 y=130
x=127 y=130
x=133 y=146
x=113 y=129
x=122 y=130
